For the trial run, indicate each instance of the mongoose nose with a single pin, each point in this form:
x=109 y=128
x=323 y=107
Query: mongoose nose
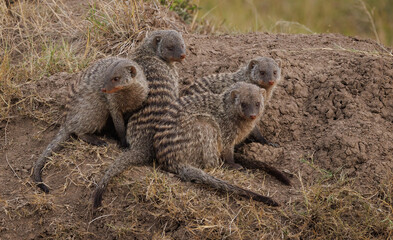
x=183 y=56
x=271 y=82
x=253 y=116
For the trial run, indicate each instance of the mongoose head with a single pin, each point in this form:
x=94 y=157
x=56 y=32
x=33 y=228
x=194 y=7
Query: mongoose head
x=264 y=72
x=248 y=100
x=122 y=75
x=168 y=45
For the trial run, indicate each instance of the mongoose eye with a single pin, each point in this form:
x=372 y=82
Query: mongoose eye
x=243 y=105
x=257 y=104
x=262 y=73
x=115 y=79
x=275 y=72
x=170 y=48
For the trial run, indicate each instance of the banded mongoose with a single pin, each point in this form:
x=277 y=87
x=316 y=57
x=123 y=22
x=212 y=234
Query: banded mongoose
x=109 y=87
x=261 y=71
x=235 y=113
x=204 y=126
x=156 y=55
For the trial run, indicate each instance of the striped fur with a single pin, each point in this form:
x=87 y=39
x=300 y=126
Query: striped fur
x=201 y=127
x=261 y=71
x=156 y=61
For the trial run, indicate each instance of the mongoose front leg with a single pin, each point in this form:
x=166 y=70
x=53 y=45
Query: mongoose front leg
x=227 y=156
x=257 y=135
x=255 y=164
x=92 y=139
x=120 y=127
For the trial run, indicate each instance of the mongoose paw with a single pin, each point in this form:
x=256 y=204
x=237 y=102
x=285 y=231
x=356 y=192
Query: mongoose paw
x=234 y=166
x=124 y=144
x=93 y=140
x=99 y=142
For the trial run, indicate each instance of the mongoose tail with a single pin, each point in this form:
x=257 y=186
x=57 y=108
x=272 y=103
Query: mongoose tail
x=254 y=164
x=55 y=145
x=192 y=174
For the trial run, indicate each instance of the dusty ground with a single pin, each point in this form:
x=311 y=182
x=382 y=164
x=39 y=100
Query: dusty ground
x=332 y=116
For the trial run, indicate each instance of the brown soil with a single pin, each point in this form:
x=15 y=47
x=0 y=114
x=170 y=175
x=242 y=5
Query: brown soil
x=334 y=105
x=332 y=113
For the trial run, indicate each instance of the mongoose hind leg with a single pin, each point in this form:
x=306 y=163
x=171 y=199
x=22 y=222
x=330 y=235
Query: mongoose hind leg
x=254 y=164
x=92 y=139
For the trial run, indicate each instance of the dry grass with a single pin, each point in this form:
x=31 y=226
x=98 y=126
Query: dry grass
x=146 y=202
x=337 y=210
x=44 y=39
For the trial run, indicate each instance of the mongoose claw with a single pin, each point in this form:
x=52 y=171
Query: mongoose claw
x=99 y=142
x=124 y=144
x=273 y=145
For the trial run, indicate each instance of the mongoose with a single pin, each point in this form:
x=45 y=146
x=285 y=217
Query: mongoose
x=156 y=55
x=109 y=87
x=261 y=71
x=235 y=111
x=206 y=126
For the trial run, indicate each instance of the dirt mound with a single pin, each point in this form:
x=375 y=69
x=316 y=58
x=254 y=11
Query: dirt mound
x=334 y=106
x=332 y=113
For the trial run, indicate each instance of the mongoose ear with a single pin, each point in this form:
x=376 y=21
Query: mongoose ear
x=156 y=40
x=133 y=71
x=262 y=92
x=279 y=62
x=251 y=65
x=234 y=94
